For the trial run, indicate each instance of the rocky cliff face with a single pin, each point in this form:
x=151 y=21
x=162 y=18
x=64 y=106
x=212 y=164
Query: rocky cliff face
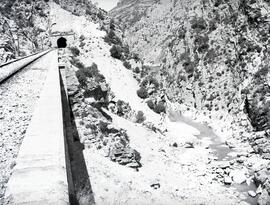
x=25 y=25
x=210 y=52
x=131 y=11
x=211 y=56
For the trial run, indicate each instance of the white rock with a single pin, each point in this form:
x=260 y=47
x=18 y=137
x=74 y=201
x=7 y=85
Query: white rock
x=243 y=203
x=224 y=164
x=238 y=176
x=89 y=100
x=252 y=193
x=227 y=180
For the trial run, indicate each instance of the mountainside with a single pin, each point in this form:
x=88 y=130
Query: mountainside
x=131 y=11
x=212 y=57
x=25 y=25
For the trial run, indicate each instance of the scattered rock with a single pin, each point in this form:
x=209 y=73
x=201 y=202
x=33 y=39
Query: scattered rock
x=252 y=193
x=126 y=156
x=238 y=176
x=224 y=164
x=189 y=145
x=240 y=160
x=155 y=185
x=230 y=144
x=266 y=156
x=134 y=165
x=227 y=180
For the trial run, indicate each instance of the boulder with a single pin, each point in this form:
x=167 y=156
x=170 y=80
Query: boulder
x=252 y=193
x=227 y=180
x=238 y=176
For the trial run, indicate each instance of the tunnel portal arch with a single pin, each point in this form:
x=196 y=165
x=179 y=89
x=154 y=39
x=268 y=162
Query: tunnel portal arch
x=62 y=42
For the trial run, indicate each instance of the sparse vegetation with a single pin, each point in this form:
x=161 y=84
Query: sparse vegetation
x=81 y=77
x=160 y=108
x=111 y=38
x=142 y=92
x=140 y=118
x=127 y=65
x=116 y=52
x=137 y=70
x=75 y=51
x=151 y=104
x=198 y=24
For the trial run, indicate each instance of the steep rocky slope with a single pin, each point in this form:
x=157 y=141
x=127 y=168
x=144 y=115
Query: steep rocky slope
x=206 y=49
x=131 y=11
x=212 y=57
x=25 y=26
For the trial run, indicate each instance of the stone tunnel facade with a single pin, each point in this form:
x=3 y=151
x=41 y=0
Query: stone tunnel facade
x=70 y=39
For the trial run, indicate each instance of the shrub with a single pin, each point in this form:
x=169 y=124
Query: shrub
x=245 y=91
x=88 y=12
x=198 y=24
x=116 y=52
x=75 y=51
x=189 y=67
x=78 y=64
x=140 y=117
x=136 y=57
x=151 y=104
x=99 y=78
x=125 y=51
x=82 y=37
x=144 y=82
x=127 y=65
x=82 y=44
x=91 y=71
x=81 y=77
x=137 y=70
x=103 y=126
x=160 y=108
x=111 y=38
x=112 y=26
x=154 y=81
x=142 y=92
x=100 y=16
x=119 y=105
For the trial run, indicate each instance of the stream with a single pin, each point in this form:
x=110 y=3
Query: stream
x=219 y=149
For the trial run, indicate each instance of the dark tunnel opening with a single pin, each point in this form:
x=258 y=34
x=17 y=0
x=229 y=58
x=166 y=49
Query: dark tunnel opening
x=62 y=43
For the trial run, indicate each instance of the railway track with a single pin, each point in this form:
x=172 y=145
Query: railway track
x=10 y=68
x=40 y=160
x=21 y=85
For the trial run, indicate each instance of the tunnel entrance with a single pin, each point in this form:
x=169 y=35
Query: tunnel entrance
x=62 y=42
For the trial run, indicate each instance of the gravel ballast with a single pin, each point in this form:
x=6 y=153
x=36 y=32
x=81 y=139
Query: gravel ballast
x=19 y=95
